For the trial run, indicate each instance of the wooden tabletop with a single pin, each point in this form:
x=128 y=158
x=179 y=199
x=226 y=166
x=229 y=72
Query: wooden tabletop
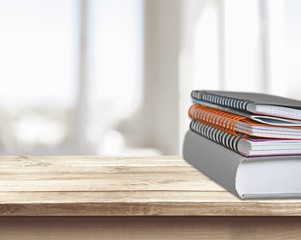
x=134 y=186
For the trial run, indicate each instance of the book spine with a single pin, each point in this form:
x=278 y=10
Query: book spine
x=218 y=136
x=230 y=102
x=215 y=118
x=214 y=160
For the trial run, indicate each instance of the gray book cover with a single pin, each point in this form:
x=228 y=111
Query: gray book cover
x=258 y=103
x=255 y=98
x=272 y=177
x=220 y=166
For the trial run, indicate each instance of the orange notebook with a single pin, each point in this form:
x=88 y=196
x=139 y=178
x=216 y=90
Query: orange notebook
x=235 y=124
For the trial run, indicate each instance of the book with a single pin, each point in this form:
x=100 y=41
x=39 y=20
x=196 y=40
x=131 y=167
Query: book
x=257 y=103
x=269 y=120
x=235 y=124
x=245 y=177
x=246 y=145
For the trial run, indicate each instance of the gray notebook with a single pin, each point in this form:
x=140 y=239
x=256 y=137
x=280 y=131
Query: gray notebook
x=257 y=103
x=246 y=177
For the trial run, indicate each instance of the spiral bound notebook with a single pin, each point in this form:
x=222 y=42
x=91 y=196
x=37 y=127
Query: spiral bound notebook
x=252 y=102
x=246 y=177
x=270 y=120
x=245 y=145
x=235 y=124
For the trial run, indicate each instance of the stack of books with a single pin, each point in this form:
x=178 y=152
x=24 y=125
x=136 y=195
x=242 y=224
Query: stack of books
x=249 y=143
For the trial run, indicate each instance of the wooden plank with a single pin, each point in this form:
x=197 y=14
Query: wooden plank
x=133 y=196
x=142 y=204
x=150 y=209
x=132 y=228
x=83 y=186
x=100 y=176
x=7 y=161
x=82 y=169
x=109 y=184
x=117 y=196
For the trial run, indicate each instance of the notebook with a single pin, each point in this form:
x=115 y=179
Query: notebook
x=235 y=124
x=270 y=120
x=257 y=103
x=246 y=177
x=246 y=145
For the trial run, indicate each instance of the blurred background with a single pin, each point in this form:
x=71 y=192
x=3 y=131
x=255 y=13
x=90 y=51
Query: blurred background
x=113 y=77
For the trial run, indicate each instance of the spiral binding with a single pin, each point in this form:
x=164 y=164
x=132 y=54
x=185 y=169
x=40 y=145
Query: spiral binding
x=231 y=102
x=215 y=118
x=223 y=138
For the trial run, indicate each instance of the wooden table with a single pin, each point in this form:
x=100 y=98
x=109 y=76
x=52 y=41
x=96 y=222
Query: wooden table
x=130 y=198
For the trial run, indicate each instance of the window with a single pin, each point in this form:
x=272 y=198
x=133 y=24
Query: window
x=92 y=76
x=37 y=63
x=71 y=73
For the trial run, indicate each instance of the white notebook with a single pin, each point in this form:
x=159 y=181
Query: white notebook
x=257 y=103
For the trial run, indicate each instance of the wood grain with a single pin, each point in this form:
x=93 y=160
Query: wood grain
x=112 y=186
x=169 y=228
